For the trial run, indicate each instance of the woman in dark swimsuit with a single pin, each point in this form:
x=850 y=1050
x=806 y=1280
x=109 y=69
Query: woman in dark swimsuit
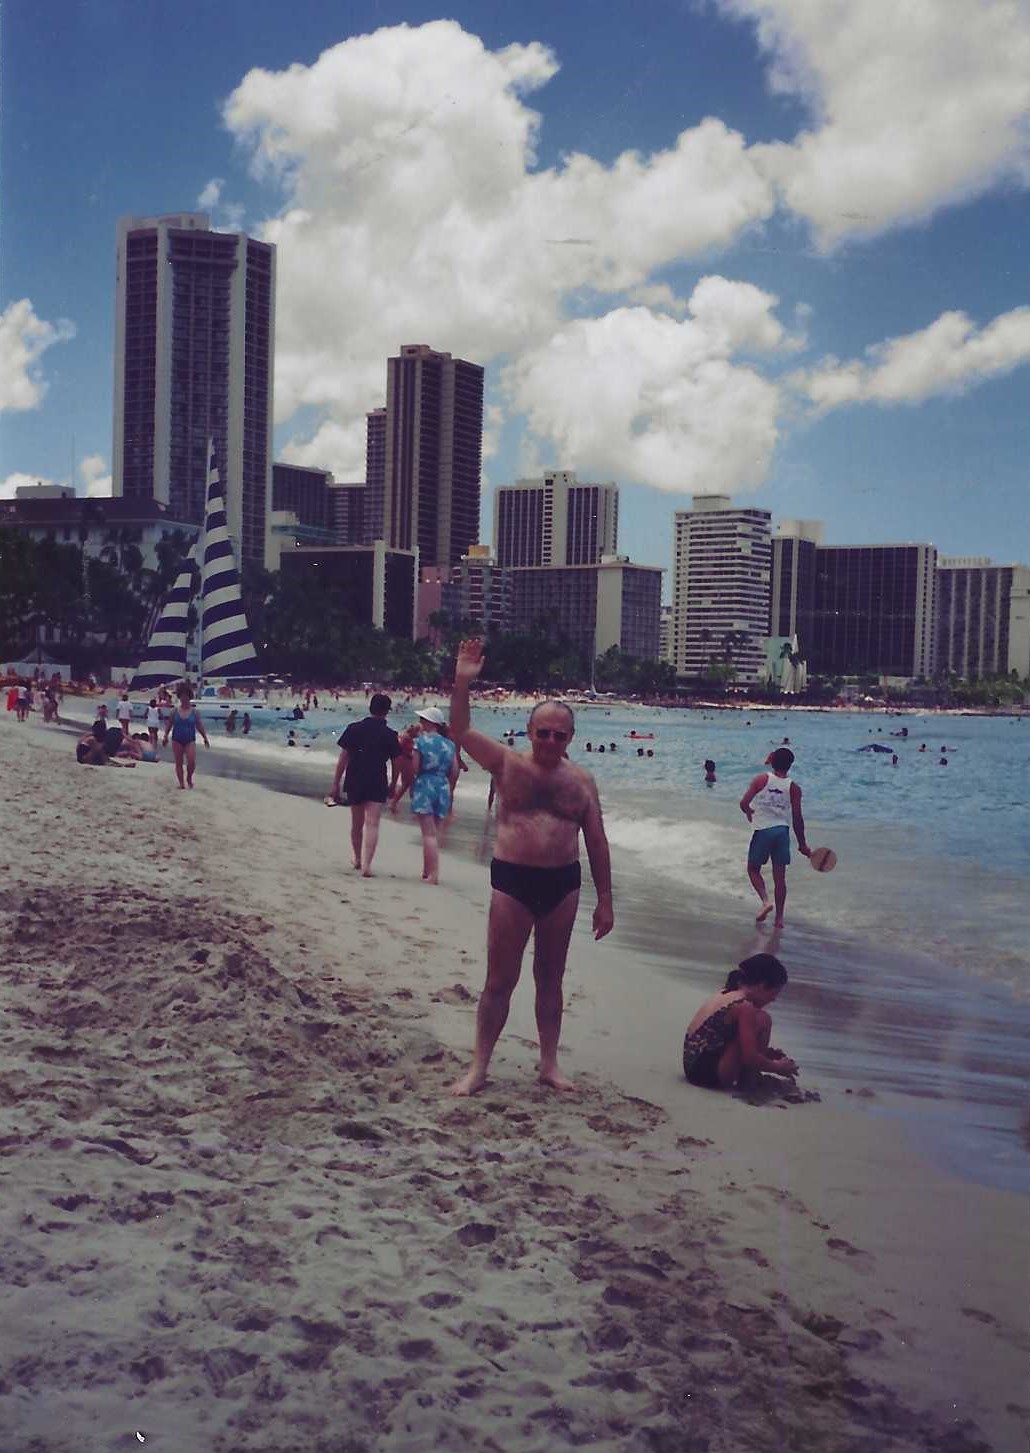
x=728 y=1037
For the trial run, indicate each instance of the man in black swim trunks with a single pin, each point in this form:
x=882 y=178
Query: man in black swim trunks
x=365 y=748
x=544 y=802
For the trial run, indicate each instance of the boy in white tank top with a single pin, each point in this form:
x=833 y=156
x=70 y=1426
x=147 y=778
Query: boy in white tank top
x=772 y=804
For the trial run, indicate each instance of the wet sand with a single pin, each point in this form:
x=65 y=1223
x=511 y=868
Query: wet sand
x=241 y=1214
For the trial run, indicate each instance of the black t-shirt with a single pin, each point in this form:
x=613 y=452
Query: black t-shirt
x=369 y=745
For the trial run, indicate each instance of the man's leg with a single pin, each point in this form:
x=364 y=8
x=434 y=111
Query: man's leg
x=370 y=840
x=779 y=872
x=506 y=938
x=550 y=951
x=357 y=825
x=758 y=884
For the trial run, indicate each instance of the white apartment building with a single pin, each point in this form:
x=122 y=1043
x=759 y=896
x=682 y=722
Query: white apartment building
x=555 y=520
x=721 y=584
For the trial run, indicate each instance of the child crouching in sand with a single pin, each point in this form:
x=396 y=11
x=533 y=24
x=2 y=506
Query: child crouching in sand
x=728 y=1038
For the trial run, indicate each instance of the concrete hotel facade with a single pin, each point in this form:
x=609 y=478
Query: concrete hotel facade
x=720 y=602
x=480 y=590
x=873 y=610
x=194 y=340
x=613 y=603
x=433 y=454
x=379 y=586
x=983 y=618
x=555 y=520
x=792 y=592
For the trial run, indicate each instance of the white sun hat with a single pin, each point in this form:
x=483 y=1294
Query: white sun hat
x=433 y=714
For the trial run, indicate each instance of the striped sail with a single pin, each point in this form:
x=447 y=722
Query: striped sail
x=227 y=648
x=164 y=659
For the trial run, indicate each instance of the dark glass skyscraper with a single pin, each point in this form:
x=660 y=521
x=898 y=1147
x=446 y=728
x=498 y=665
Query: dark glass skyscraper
x=194 y=342
x=433 y=454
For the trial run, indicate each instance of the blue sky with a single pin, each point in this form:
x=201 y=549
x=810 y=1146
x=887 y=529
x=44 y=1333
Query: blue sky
x=833 y=203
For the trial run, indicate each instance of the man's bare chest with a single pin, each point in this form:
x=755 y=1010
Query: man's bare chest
x=525 y=792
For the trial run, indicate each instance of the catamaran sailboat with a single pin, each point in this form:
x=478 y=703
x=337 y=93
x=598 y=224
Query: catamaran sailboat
x=227 y=651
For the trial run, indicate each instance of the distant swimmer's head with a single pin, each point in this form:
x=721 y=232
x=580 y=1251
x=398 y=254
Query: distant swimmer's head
x=761 y=977
x=550 y=728
x=781 y=760
x=709 y=765
x=380 y=704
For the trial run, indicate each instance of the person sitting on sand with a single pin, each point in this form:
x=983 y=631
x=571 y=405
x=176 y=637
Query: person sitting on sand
x=89 y=751
x=544 y=803
x=771 y=802
x=727 y=1041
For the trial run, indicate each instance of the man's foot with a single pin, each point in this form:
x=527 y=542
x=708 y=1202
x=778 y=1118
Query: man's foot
x=469 y=1084
x=556 y=1080
x=365 y=872
x=777 y=923
x=763 y=912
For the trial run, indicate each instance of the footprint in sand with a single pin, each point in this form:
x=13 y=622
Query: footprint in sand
x=477 y=1233
x=416 y=1349
x=837 y=1243
x=979 y=1316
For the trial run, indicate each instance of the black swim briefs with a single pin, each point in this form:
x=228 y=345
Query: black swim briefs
x=538 y=889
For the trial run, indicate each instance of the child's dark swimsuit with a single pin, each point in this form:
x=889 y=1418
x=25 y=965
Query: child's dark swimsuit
x=703 y=1049
x=538 y=889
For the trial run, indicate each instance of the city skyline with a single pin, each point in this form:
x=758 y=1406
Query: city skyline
x=663 y=285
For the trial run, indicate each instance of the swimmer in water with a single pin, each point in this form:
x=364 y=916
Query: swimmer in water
x=709 y=771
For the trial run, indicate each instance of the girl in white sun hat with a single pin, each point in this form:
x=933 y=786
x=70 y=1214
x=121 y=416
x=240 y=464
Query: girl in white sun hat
x=436 y=767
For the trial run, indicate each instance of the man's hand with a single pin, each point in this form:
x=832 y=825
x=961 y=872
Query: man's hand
x=604 y=918
x=804 y=850
x=469 y=662
x=747 y=813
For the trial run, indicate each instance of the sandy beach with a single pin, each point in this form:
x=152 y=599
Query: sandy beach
x=240 y=1213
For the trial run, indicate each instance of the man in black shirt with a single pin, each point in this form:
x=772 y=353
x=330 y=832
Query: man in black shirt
x=365 y=748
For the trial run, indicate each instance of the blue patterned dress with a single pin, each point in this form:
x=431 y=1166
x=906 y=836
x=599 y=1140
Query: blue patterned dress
x=431 y=789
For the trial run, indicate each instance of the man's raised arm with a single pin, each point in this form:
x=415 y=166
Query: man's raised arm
x=481 y=749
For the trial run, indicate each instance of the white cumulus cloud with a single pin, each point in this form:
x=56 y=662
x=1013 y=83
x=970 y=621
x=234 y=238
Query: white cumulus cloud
x=24 y=338
x=95 y=476
x=915 y=104
x=649 y=398
x=950 y=355
x=340 y=448
x=415 y=212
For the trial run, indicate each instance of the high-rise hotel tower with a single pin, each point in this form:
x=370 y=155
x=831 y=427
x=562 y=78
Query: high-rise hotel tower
x=194 y=341
x=720 y=599
x=555 y=520
x=431 y=459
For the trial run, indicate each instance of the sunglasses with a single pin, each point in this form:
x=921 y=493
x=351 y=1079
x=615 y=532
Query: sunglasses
x=545 y=734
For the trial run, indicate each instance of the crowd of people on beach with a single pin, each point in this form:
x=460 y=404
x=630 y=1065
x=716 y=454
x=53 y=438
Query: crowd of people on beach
x=545 y=802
